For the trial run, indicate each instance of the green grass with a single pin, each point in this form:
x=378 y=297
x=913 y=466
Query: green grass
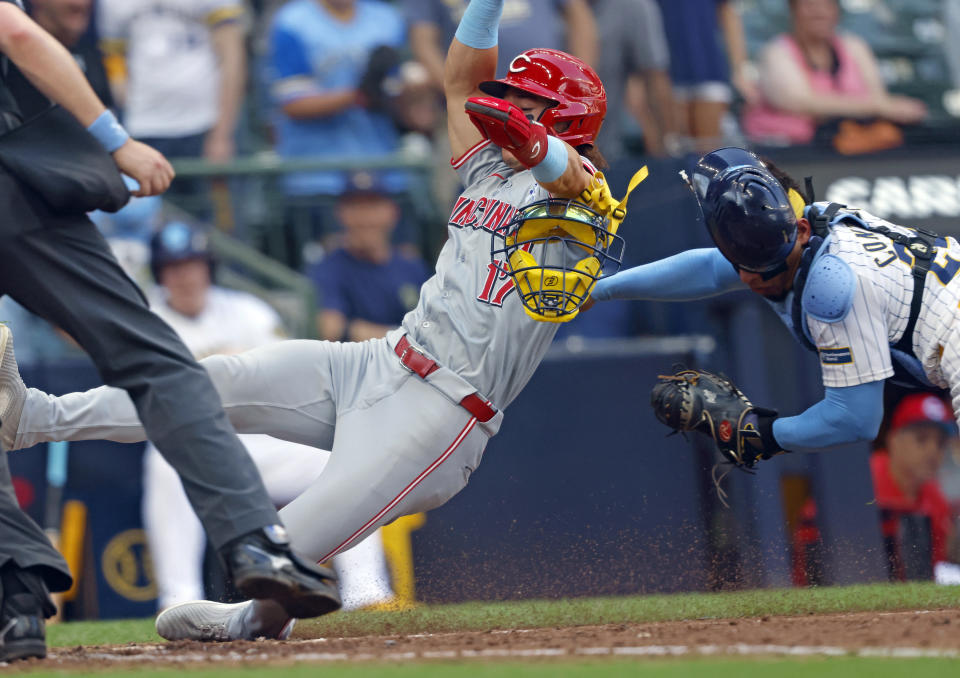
x=586 y=611
x=102 y=633
x=845 y=667
x=566 y=612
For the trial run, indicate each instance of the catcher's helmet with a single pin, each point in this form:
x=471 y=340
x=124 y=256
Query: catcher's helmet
x=555 y=250
x=178 y=241
x=748 y=213
x=579 y=96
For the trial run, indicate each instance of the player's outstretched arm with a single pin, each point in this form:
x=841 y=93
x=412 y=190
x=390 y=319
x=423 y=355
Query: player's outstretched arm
x=471 y=59
x=847 y=414
x=694 y=274
x=53 y=71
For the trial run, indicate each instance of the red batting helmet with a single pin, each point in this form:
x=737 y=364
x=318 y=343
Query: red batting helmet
x=564 y=79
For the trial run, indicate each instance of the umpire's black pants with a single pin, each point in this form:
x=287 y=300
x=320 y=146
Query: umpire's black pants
x=61 y=268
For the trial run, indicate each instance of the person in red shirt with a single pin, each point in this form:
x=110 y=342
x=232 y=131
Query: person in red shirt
x=905 y=484
x=905 y=472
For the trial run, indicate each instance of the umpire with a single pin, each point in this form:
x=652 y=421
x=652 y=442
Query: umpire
x=54 y=262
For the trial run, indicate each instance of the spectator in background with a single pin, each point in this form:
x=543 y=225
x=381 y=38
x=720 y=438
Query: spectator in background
x=568 y=25
x=951 y=41
x=178 y=68
x=816 y=76
x=320 y=54
x=904 y=472
x=702 y=69
x=214 y=320
x=69 y=22
x=366 y=286
x=634 y=54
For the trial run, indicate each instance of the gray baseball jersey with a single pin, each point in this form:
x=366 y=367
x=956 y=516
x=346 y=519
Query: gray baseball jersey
x=469 y=317
x=399 y=443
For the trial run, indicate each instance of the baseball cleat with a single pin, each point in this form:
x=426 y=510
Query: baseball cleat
x=13 y=392
x=207 y=621
x=262 y=566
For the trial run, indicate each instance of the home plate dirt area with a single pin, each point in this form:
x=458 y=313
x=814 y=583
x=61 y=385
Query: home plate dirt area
x=933 y=633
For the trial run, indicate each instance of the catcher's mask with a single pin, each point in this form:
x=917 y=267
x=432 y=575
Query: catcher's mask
x=751 y=218
x=575 y=247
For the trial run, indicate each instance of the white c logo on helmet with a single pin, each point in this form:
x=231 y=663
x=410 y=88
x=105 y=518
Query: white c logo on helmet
x=514 y=68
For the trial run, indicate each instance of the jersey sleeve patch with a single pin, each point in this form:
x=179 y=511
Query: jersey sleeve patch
x=836 y=356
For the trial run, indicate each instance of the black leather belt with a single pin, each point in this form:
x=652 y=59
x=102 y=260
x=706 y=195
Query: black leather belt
x=414 y=360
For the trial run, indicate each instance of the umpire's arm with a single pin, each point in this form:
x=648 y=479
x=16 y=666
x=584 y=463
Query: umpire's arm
x=47 y=64
x=52 y=70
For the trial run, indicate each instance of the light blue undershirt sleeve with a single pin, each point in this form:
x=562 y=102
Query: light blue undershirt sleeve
x=480 y=24
x=554 y=163
x=847 y=414
x=694 y=274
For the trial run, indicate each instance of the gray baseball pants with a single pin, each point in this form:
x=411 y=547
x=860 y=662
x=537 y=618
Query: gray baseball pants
x=399 y=444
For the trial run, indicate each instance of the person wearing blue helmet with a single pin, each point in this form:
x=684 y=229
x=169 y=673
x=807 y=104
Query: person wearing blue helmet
x=875 y=300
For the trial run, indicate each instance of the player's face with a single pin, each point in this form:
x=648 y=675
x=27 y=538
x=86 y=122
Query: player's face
x=187 y=283
x=778 y=287
x=532 y=106
x=916 y=453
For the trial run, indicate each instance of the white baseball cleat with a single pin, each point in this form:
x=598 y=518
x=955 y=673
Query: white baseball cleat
x=13 y=392
x=208 y=621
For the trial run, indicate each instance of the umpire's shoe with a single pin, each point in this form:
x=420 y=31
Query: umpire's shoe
x=24 y=604
x=262 y=565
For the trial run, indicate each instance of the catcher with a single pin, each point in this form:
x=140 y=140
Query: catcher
x=875 y=300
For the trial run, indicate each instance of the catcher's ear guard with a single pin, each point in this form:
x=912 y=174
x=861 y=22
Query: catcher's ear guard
x=556 y=249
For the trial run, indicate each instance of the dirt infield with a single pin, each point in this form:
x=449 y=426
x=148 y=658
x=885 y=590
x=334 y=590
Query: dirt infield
x=906 y=634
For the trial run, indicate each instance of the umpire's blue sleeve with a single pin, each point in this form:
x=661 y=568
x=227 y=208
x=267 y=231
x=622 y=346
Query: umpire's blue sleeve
x=848 y=414
x=694 y=274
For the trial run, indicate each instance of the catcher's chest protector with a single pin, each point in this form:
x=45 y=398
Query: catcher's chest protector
x=825 y=284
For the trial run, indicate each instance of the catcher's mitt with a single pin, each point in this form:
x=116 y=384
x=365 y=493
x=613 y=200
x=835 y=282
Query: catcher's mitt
x=694 y=400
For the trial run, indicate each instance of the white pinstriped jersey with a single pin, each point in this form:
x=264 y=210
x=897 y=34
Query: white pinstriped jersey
x=856 y=350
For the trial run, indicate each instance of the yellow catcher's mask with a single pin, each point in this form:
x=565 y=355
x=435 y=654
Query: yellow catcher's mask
x=556 y=249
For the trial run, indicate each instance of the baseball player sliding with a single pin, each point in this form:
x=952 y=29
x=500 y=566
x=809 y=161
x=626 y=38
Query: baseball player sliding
x=212 y=320
x=407 y=417
x=875 y=300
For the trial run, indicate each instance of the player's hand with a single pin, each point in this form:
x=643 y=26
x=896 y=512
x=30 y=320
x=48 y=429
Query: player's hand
x=506 y=125
x=905 y=110
x=588 y=304
x=146 y=165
